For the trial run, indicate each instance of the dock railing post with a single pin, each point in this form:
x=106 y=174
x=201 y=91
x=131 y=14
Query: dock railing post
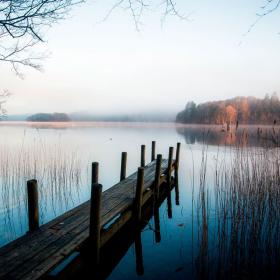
x=153 y=154
x=157 y=175
x=95 y=221
x=33 y=205
x=169 y=168
x=95 y=214
x=123 y=166
x=177 y=156
x=94 y=172
x=139 y=194
x=143 y=148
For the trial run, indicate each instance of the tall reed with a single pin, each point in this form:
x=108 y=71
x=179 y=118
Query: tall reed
x=58 y=171
x=238 y=213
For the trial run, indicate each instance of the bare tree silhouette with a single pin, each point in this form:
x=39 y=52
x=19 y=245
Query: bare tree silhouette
x=269 y=7
x=137 y=8
x=22 y=24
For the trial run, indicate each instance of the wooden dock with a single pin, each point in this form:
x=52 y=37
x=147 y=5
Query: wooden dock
x=91 y=224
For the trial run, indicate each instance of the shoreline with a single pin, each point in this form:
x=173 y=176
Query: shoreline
x=122 y=124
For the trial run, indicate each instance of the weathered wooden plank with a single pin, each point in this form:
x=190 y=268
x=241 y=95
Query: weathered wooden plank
x=52 y=236
x=55 y=240
x=59 y=255
x=60 y=221
x=107 y=195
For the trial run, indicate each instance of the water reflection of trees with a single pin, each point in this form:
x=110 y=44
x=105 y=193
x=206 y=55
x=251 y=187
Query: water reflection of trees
x=217 y=135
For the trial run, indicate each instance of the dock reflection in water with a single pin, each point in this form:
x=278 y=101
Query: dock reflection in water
x=130 y=236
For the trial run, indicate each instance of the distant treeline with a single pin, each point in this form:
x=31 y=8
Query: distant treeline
x=46 y=117
x=245 y=110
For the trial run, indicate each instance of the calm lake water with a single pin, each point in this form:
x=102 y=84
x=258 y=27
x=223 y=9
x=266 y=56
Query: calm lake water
x=200 y=240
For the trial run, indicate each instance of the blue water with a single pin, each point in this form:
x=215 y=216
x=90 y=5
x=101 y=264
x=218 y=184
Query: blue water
x=189 y=246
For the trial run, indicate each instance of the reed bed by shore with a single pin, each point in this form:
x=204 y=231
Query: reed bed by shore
x=238 y=214
x=58 y=172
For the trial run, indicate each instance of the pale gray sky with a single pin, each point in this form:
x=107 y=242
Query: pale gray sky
x=109 y=67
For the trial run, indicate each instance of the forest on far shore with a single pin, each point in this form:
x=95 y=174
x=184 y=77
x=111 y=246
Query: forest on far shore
x=245 y=110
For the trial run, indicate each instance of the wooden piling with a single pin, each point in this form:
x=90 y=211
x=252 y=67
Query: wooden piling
x=177 y=156
x=95 y=221
x=157 y=175
x=123 y=166
x=94 y=173
x=139 y=194
x=143 y=150
x=153 y=154
x=33 y=206
x=170 y=161
x=95 y=207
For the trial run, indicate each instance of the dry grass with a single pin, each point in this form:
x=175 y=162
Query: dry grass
x=238 y=215
x=57 y=170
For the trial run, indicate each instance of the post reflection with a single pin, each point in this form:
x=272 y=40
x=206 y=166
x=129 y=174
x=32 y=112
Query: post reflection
x=138 y=253
x=176 y=183
x=157 y=223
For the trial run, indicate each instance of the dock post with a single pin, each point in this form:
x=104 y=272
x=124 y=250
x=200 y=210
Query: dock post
x=153 y=155
x=123 y=166
x=33 y=206
x=169 y=168
x=94 y=173
x=95 y=218
x=143 y=148
x=157 y=175
x=95 y=221
x=177 y=156
x=139 y=194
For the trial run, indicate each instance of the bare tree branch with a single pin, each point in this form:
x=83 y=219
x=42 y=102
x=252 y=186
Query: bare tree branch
x=269 y=7
x=136 y=9
x=22 y=24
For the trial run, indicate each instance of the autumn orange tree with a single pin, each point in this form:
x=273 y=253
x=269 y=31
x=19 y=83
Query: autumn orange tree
x=231 y=114
x=246 y=110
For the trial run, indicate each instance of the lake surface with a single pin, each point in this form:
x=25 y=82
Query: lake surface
x=206 y=237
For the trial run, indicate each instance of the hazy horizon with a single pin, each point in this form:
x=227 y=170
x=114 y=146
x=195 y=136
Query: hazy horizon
x=110 y=68
x=144 y=112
